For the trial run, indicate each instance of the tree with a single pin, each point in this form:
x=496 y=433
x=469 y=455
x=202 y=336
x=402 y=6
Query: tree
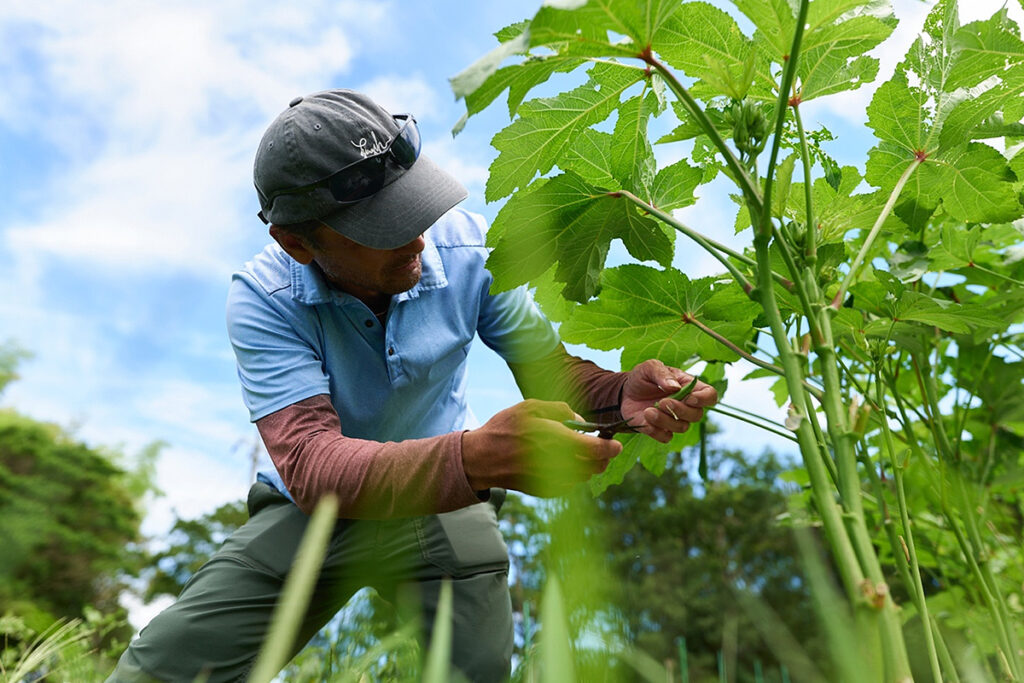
x=69 y=520
x=190 y=543
x=685 y=551
x=680 y=554
x=69 y=517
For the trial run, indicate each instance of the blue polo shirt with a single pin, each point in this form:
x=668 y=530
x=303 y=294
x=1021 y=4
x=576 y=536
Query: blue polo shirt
x=295 y=337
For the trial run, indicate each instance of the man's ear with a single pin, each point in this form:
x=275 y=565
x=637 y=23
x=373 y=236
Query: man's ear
x=292 y=244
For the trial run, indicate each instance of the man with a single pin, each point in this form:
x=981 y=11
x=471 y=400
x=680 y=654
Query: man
x=351 y=332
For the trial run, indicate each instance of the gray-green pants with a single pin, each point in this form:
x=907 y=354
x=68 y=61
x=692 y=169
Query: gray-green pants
x=218 y=624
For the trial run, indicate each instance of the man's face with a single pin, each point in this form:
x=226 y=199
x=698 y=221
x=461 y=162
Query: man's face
x=369 y=274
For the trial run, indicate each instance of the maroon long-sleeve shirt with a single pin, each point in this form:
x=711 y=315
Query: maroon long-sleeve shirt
x=307 y=444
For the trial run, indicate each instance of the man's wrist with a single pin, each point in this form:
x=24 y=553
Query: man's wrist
x=470 y=443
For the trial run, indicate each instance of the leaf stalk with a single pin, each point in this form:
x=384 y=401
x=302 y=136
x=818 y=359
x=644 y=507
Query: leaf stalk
x=740 y=174
x=875 y=229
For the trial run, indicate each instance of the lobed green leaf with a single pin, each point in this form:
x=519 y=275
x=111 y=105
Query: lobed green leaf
x=703 y=41
x=645 y=312
x=565 y=219
x=536 y=141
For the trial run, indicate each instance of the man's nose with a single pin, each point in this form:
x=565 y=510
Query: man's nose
x=414 y=247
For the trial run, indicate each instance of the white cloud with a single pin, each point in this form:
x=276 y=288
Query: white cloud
x=157 y=110
x=450 y=155
x=401 y=94
x=195 y=484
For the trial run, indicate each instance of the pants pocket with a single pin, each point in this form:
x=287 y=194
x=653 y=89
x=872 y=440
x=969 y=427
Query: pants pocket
x=463 y=542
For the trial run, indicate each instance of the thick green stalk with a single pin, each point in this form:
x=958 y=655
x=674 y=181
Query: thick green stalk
x=893 y=648
x=813 y=456
x=788 y=78
x=800 y=286
x=886 y=210
x=908 y=537
x=819 y=436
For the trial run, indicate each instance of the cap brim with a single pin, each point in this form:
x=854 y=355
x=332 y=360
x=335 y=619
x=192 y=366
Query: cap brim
x=402 y=211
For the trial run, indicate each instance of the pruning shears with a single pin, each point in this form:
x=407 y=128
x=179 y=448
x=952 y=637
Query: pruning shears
x=605 y=430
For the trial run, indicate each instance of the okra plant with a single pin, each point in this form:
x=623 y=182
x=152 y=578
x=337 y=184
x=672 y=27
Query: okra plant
x=886 y=298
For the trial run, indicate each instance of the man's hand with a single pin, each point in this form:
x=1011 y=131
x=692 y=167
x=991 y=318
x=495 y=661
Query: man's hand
x=527 y=448
x=652 y=382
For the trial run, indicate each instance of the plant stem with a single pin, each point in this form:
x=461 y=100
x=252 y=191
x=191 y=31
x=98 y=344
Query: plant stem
x=719 y=251
x=822 y=442
x=886 y=210
x=716 y=249
x=736 y=416
x=788 y=77
x=742 y=178
x=813 y=455
x=811 y=249
x=973 y=546
x=994 y=274
x=735 y=349
x=908 y=536
x=798 y=285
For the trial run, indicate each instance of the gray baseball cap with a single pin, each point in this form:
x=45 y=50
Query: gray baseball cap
x=320 y=134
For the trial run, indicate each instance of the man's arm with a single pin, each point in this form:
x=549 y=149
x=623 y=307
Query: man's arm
x=524 y=447
x=560 y=376
x=373 y=480
x=639 y=395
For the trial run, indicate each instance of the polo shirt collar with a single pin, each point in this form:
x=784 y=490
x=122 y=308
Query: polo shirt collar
x=309 y=286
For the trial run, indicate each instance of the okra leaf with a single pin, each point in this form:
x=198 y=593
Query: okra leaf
x=985 y=48
x=582 y=27
x=518 y=79
x=837 y=34
x=565 y=219
x=650 y=313
x=631 y=153
x=536 y=141
x=590 y=157
x=674 y=186
x=952 y=80
x=700 y=36
x=580 y=30
x=921 y=308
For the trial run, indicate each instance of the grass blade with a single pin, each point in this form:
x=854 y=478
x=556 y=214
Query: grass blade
x=440 y=655
x=298 y=587
x=556 y=656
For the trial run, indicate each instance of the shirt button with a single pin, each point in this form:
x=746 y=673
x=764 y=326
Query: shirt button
x=369 y=323
x=391 y=350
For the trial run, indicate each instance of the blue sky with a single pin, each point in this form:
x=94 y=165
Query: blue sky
x=127 y=132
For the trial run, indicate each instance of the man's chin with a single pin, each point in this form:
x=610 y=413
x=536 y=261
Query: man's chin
x=406 y=281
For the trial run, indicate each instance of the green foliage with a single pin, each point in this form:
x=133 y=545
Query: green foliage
x=952 y=81
x=657 y=558
x=190 y=543
x=890 y=314
x=68 y=516
x=11 y=355
x=280 y=643
x=682 y=552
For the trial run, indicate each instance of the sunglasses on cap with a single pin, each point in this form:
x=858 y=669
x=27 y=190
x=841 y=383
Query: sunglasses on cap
x=364 y=178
